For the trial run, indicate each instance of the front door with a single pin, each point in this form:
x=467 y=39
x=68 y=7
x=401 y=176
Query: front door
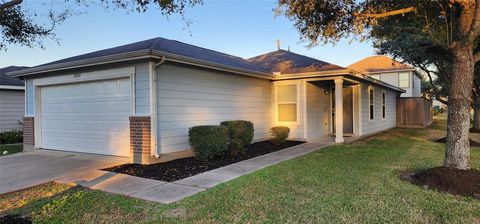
x=347 y=110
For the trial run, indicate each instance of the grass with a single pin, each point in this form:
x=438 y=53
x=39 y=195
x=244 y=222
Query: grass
x=355 y=183
x=11 y=149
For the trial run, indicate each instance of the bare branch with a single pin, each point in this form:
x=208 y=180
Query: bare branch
x=10 y=4
x=390 y=13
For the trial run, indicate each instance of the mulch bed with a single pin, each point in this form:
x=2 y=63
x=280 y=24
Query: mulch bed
x=472 y=142
x=453 y=181
x=183 y=168
x=14 y=219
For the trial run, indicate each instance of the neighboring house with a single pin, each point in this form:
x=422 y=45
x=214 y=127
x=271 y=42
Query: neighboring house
x=12 y=100
x=140 y=99
x=392 y=72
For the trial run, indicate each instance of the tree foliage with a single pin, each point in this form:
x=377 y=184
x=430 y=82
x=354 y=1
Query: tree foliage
x=442 y=33
x=21 y=26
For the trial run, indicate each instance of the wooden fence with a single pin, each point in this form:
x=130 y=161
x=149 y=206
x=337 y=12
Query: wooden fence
x=414 y=112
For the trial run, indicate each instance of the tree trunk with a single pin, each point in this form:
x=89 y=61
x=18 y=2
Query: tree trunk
x=457 y=151
x=476 y=113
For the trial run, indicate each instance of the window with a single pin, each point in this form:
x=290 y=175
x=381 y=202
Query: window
x=287 y=103
x=403 y=80
x=383 y=105
x=370 y=100
x=375 y=76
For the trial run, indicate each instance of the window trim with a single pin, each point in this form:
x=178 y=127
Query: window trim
x=297 y=120
x=371 y=103
x=408 y=79
x=384 y=105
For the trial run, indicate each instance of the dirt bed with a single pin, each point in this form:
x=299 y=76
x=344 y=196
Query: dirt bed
x=453 y=181
x=14 y=219
x=183 y=168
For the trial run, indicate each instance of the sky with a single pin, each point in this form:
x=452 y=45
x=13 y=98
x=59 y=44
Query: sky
x=242 y=28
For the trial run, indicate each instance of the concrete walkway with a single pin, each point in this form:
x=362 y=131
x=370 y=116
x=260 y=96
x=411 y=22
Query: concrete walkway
x=163 y=192
x=28 y=169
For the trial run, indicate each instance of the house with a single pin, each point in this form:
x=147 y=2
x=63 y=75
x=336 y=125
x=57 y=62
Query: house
x=392 y=72
x=139 y=100
x=12 y=100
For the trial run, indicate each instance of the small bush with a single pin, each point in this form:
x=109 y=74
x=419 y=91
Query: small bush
x=240 y=134
x=279 y=134
x=10 y=137
x=208 y=141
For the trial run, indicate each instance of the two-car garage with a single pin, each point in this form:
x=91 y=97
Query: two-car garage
x=89 y=116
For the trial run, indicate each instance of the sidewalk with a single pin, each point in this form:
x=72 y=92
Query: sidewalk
x=168 y=192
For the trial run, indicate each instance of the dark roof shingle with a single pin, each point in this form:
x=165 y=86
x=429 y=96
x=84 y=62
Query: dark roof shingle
x=288 y=62
x=8 y=80
x=172 y=47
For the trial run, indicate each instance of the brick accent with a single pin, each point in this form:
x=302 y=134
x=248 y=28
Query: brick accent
x=28 y=131
x=139 y=138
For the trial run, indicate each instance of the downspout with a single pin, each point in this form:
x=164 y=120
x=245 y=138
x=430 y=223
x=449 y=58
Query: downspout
x=153 y=104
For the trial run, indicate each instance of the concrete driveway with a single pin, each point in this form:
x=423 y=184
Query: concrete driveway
x=28 y=169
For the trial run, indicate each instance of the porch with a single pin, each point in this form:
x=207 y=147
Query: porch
x=319 y=112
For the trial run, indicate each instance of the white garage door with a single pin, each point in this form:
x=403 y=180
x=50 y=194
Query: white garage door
x=87 y=117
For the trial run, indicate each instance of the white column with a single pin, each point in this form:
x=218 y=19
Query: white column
x=339 y=110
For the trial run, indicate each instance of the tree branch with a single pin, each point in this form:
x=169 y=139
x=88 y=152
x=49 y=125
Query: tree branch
x=390 y=13
x=434 y=87
x=10 y=4
x=476 y=57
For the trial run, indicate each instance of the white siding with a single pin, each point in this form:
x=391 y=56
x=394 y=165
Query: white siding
x=12 y=105
x=414 y=88
x=378 y=123
x=188 y=96
x=142 y=92
x=318 y=110
x=390 y=78
x=417 y=86
x=29 y=111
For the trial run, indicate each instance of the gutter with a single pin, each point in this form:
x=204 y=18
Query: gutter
x=135 y=55
x=153 y=106
x=12 y=87
x=164 y=56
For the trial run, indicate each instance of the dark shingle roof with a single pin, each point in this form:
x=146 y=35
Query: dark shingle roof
x=172 y=47
x=8 y=80
x=289 y=62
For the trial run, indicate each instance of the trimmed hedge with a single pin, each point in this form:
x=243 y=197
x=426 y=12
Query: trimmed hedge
x=10 y=137
x=208 y=141
x=279 y=134
x=240 y=134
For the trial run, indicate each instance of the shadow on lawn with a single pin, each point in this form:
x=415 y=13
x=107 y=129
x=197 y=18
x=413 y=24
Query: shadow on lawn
x=19 y=207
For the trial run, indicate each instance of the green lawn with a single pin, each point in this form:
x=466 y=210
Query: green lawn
x=347 y=183
x=11 y=149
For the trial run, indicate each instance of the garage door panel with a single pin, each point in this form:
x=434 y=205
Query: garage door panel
x=87 y=117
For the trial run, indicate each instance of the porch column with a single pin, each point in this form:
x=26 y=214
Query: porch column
x=339 y=110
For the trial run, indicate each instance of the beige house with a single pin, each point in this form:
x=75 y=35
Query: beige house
x=392 y=72
x=140 y=99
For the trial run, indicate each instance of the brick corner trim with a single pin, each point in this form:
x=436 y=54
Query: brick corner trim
x=139 y=135
x=28 y=131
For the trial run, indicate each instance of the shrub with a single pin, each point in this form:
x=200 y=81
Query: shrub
x=240 y=134
x=279 y=134
x=9 y=137
x=208 y=141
